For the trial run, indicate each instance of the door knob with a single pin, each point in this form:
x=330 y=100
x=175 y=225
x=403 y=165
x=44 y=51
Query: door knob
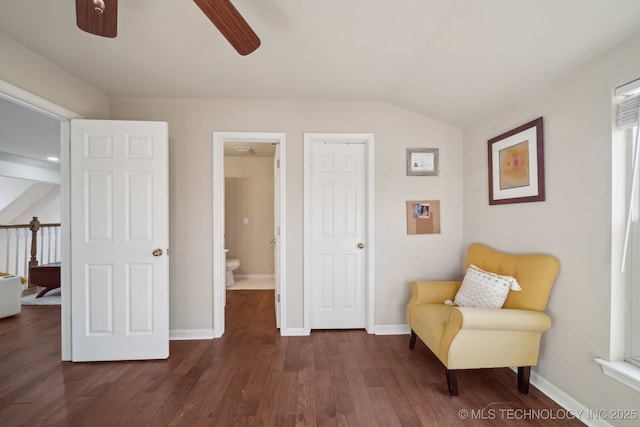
x=157 y=252
x=360 y=245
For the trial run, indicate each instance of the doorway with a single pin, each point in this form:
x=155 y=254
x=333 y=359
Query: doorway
x=250 y=214
x=42 y=106
x=244 y=140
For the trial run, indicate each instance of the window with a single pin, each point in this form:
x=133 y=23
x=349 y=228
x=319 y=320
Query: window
x=627 y=169
x=623 y=363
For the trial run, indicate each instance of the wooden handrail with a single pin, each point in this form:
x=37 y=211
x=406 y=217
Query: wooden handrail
x=29 y=225
x=34 y=226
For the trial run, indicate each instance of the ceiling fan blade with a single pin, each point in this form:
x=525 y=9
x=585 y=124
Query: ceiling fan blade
x=91 y=19
x=231 y=24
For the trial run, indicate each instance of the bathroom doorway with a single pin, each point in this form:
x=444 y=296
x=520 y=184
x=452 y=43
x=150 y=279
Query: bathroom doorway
x=249 y=214
x=248 y=218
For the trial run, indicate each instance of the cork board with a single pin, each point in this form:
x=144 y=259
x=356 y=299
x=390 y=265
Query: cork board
x=423 y=217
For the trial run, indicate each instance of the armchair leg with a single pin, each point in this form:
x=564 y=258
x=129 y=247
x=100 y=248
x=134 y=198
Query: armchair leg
x=524 y=372
x=412 y=339
x=452 y=382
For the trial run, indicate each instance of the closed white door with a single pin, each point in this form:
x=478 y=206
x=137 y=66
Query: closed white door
x=119 y=240
x=337 y=230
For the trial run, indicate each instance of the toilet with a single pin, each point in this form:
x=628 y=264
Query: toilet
x=232 y=264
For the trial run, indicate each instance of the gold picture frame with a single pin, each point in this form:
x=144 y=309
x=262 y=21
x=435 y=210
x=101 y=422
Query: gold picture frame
x=516 y=165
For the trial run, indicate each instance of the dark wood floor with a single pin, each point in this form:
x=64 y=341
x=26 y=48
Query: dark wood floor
x=253 y=377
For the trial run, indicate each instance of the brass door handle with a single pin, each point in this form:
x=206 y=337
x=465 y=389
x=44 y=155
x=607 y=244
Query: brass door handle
x=157 y=252
x=360 y=245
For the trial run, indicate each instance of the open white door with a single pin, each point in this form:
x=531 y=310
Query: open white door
x=276 y=230
x=120 y=236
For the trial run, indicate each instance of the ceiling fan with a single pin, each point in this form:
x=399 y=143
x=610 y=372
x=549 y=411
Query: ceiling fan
x=100 y=17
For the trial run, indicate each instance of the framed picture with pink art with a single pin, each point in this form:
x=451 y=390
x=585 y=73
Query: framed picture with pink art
x=516 y=165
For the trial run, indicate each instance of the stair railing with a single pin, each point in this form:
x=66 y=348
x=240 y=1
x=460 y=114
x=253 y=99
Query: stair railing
x=20 y=249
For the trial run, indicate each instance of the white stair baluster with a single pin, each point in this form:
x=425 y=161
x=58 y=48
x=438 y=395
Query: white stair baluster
x=7 y=237
x=25 y=238
x=55 y=244
x=17 y=239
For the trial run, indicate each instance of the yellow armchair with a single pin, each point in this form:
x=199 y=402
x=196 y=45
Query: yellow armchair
x=471 y=337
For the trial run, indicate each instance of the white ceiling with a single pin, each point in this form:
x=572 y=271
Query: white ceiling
x=452 y=60
x=256 y=149
x=24 y=132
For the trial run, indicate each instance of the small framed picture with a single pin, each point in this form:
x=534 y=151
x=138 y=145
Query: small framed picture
x=422 y=161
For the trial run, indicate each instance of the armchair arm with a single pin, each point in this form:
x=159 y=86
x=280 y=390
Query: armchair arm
x=498 y=319
x=510 y=337
x=431 y=292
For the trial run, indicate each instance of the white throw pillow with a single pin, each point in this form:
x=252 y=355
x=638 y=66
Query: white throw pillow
x=484 y=289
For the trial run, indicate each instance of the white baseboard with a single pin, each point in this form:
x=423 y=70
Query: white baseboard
x=577 y=409
x=207 y=334
x=295 y=332
x=190 y=334
x=254 y=276
x=378 y=330
x=392 y=329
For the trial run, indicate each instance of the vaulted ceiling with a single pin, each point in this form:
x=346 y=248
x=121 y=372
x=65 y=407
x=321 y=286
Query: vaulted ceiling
x=452 y=60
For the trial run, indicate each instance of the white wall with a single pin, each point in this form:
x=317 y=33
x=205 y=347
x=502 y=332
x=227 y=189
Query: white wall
x=249 y=194
x=574 y=222
x=11 y=189
x=47 y=208
x=31 y=72
x=40 y=199
x=399 y=258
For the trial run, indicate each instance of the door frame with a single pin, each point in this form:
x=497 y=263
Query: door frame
x=369 y=287
x=218 y=264
x=26 y=99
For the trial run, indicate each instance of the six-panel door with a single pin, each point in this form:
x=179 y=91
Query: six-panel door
x=119 y=233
